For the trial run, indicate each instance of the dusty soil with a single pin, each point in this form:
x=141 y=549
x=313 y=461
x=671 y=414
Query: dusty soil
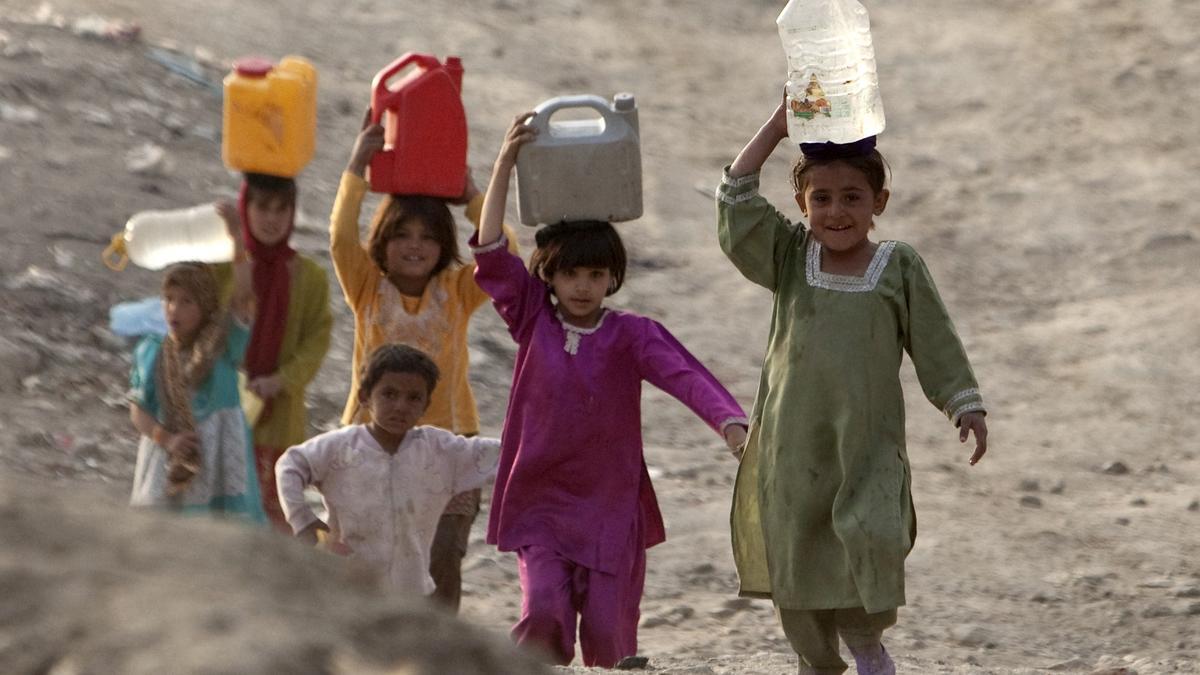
x=153 y=595
x=1044 y=166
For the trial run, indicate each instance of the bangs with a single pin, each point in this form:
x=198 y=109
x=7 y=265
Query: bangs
x=397 y=358
x=395 y=210
x=591 y=248
x=567 y=245
x=872 y=165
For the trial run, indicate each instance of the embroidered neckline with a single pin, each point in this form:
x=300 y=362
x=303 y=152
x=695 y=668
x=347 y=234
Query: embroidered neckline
x=842 y=282
x=575 y=333
x=424 y=329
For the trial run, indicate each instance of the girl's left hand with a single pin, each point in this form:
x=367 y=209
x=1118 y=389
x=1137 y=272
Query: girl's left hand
x=735 y=439
x=973 y=422
x=267 y=386
x=229 y=213
x=518 y=134
x=369 y=141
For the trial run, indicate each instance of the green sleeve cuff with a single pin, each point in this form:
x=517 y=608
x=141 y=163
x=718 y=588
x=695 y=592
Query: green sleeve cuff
x=965 y=401
x=737 y=190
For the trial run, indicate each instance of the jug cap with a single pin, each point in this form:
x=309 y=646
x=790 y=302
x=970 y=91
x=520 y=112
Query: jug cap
x=253 y=66
x=624 y=102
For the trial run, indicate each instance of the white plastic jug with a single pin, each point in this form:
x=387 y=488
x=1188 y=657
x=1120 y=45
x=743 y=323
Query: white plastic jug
x=155 y=239
x=589 y=169
x=832 y=88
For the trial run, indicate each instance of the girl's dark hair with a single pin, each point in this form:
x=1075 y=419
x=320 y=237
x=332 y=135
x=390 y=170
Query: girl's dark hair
x=395 y=210
x=396 y=358
x=262 y=187
x=872 y=165
x=579 y=243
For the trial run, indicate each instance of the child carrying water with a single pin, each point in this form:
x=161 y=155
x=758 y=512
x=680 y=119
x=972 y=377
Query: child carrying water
x=195 y=451
x=408 y=284
x=293 y=322
x=573 y=498
x=822 y=516
x=386 y=482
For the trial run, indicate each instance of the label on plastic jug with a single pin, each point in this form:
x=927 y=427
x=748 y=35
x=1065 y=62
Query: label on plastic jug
x=813 y=102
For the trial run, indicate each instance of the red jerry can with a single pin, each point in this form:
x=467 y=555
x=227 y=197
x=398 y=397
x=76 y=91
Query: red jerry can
x=425 y=127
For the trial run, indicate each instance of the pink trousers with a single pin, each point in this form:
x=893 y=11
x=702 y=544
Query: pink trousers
x=555 y=590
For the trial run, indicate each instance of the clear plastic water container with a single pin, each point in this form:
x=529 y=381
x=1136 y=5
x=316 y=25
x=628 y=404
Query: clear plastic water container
x=155 y=239
x=832 y=87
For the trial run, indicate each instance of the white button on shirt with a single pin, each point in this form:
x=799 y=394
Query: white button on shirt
x=384 y=507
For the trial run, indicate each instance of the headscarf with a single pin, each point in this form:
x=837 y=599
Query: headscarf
x=181 y=368
x=272 y=291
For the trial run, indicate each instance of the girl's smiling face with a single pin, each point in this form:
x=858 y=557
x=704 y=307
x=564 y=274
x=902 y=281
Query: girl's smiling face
x=270 y=220
x=184 y=316
x=413 y=253
x=840 y=206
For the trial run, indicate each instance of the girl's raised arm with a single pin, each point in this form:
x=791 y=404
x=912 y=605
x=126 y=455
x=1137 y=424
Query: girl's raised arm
x=353 y=266
x=492 y=221
x=241 y=300
x=369 y=142
x=752 y=233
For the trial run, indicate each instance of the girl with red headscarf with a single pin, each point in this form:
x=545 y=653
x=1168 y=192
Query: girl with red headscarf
x=292 y=331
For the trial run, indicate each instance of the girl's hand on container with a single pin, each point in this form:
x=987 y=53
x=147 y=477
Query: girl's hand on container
x=518 y=134
x=973 y=422
x=735 y=439
x=369 y=142
x=233 y=221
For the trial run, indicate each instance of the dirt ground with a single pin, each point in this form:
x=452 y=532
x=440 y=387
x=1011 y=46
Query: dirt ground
x=1044 y=165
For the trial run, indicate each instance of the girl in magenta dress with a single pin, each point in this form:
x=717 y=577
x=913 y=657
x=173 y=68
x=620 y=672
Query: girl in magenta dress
x=573 y=498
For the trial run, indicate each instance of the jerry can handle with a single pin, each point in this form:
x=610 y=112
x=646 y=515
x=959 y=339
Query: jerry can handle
x=114 y=256
x=542 y=113
x=379 y=86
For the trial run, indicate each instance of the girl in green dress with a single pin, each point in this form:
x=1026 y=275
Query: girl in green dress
x=822 y=516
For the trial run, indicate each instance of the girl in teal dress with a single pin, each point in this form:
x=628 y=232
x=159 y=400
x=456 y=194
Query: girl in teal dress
x=822 y=516
x=195 y=453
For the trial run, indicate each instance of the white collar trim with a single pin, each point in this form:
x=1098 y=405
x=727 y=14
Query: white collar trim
x=841 y=282
x=575 y=333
